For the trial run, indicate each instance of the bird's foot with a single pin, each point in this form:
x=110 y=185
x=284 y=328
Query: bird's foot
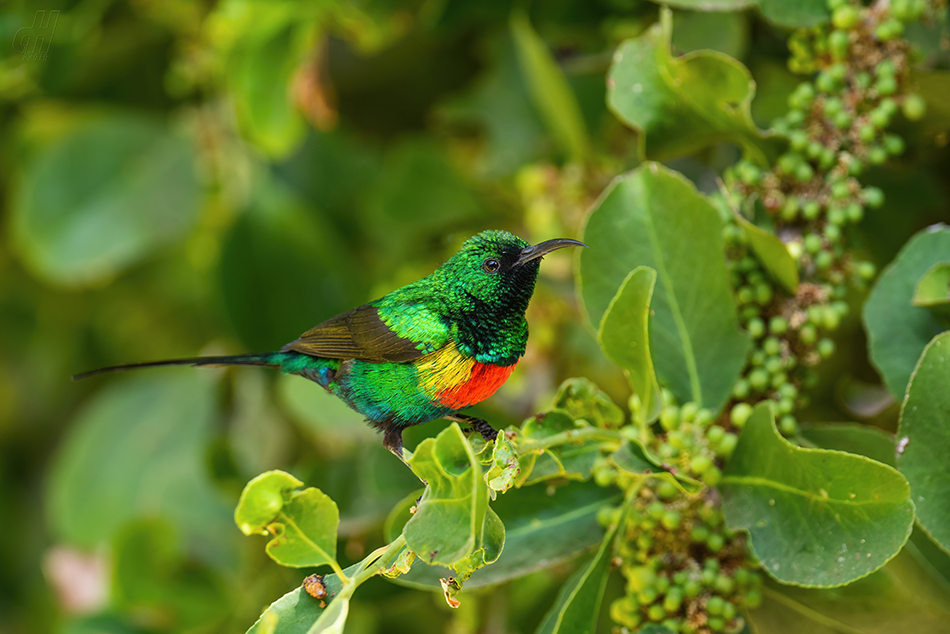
x=488 y=432
x=392 y=440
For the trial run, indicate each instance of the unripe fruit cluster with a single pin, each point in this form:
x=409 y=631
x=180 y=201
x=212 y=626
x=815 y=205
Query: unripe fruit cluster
x=691 y=442
x=692 y=577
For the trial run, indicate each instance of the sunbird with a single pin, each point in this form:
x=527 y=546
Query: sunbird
x=424 y=351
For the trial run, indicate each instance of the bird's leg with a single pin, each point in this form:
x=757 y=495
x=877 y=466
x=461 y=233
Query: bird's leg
x=488 y=432
x=392 y=440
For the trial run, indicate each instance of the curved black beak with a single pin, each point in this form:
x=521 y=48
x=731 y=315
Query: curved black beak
x=536 y=251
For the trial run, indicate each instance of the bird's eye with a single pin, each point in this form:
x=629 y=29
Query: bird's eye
x=491 y=265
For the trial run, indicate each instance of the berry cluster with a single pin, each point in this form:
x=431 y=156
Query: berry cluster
x=835 y=127
x=692 y=576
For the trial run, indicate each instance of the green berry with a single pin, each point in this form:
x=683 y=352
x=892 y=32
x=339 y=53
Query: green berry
x=741 y=389
x=804 y=173
x=855 y=166
x=824 y=260
x=842 y=120
x=811 y=210
x=774 y=365
x=866 y=270
x=879 y=118
x=779 y=379
x=712 y=476
x=656 y=509
x=812 y=243
x=788 y=426
x=833 y=105
x=716 y=542
x=666 y=490
x=715 y=604
x=914 y=107
x=873 y=197
x=724 y=584
x=763 y=293
x=886 y=68
x=790 y=208
x=826 y=348
x=886 y=85
x=833 y=232
x=673 y=599
x=740 y=413
x=656 y=612
x=798 y=139
x=727 y=445
x=670 y=417
x=728 y=611
x=700 y=463
x=671 y=520
x=716 y=624
x=840 y=189
x=838 y=43
x=855 y=212
x=894 y=144
x=837 y=216
x=758 y=379
x=867 y=133
x=753 y=599
x=808 y=334
x=772 y=345
x=784 y=406
x=778 y=325
x=844 y=17
x=756 y=327
x=877 y=155
x=692 y=588
x=863 y=80
x=699 y=534
x=640 y=578
x=825 y=83
x=789 y=162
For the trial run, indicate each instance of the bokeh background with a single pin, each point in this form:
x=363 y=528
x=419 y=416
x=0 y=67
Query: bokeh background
x=182 y=178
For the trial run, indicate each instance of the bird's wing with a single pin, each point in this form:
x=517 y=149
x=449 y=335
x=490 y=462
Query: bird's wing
x=362 y=334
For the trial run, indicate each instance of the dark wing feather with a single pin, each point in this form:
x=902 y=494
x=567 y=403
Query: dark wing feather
x=356 y=334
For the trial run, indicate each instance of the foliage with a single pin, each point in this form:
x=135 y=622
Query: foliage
x=184 y=178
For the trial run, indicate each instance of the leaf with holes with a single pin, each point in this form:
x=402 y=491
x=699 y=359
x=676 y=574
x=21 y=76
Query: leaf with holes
x=815 y=517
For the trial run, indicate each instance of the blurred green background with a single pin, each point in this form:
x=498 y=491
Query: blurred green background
x=182 y=178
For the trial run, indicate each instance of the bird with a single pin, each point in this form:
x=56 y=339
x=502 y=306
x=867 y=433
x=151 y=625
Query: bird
x=425 y=351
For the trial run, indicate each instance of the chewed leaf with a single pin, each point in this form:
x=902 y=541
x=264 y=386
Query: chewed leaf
x=815 y=517
x=262 y=499
x=452 y=525
x=504 y=468
x=304 y=522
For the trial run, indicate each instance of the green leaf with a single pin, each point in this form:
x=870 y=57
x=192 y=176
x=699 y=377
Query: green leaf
x=864 y=440
x=551 y=93
x=583 y=400
x=544 y=528
x=654 y=217
x=262 y=499
x=801 y=13
x=137 y=449
x=573 y=460
x=578 y=603
x=772 y=253
x=260 y=73
x=104 y=196
x=897 y=330
x=681 y=104
x=274 y=270
x=304 y=523
x=924 y=438
x=452 y=525
x=624 y=335
x=933 y=291
x=815 y=517
x=898 y=598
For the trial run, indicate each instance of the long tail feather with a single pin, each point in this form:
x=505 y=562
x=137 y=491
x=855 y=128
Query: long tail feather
x=237 y=359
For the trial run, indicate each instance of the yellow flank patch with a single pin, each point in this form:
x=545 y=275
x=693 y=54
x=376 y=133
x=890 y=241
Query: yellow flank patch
x=444 y=369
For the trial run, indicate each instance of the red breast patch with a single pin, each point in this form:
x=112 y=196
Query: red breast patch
x=484 y=381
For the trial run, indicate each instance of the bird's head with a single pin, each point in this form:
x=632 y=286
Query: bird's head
x=498 y=270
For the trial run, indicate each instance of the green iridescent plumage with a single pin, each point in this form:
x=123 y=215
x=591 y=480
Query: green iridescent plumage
x=424 y=351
